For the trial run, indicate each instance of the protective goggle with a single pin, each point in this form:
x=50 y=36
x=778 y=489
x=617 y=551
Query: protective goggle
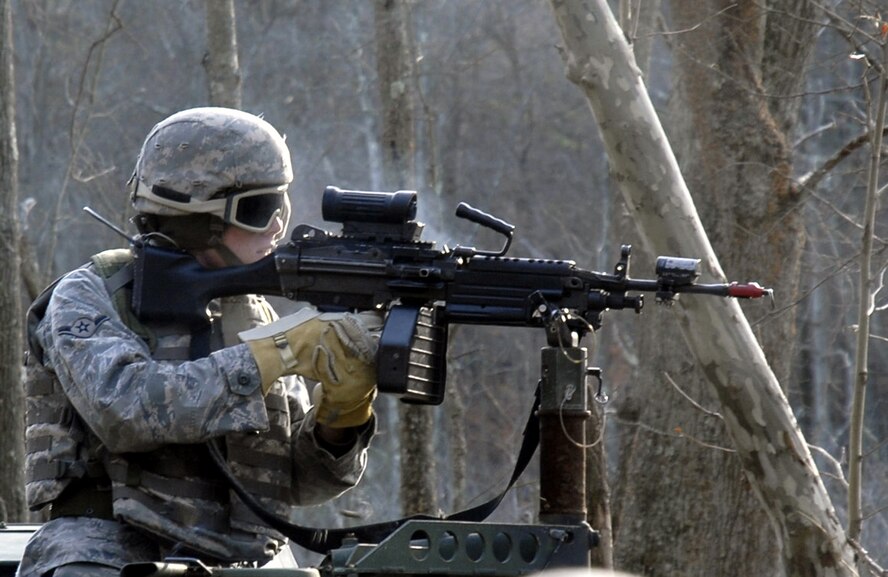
x=253 y=210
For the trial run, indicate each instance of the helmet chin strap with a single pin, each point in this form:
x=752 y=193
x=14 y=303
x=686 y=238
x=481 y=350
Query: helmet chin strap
x=190 y=232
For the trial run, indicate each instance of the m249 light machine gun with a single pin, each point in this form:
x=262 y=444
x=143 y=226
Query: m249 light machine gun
x=379 y=261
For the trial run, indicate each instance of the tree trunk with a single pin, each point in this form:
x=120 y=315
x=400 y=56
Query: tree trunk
x=220 y=61
x=598 y=493
x=394 y=62
x=866 y=305
x=737 y=162
x=395 y=67
x=640 y=20
x=12 y=403
x=771 y=449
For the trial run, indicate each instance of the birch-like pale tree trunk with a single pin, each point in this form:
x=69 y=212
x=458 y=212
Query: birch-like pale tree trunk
x=769 y=444
x=730 y=131
x=639 y=19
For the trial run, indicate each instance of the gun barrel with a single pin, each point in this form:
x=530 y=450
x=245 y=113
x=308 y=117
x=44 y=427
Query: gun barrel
x=735 y=290
x=751 y=290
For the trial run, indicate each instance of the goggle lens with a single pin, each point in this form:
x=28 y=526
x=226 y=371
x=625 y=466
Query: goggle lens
x=258 y=210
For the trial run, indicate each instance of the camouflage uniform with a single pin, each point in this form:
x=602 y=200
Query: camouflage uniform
x=119 y=401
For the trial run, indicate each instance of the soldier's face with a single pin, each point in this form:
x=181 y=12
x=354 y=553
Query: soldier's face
x=252 y=246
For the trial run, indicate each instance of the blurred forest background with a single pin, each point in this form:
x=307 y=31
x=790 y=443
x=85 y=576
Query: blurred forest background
x=496 y=123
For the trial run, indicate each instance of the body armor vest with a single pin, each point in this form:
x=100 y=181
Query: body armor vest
x=175 y=493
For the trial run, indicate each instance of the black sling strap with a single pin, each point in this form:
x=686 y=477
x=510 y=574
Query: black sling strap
x=323 y=540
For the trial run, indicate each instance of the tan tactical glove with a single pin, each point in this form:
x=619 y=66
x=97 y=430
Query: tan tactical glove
x=336 y=349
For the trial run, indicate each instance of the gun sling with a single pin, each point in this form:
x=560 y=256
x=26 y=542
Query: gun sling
x=325 y=540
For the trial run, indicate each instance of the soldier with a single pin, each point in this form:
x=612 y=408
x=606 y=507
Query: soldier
x=119 y=416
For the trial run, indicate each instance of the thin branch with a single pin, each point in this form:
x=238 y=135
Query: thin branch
x=698 y=24
x=837 y=466
x=851 y=31
x=864 y=554
x=690 y=400
x=811 y=180
x=874 y=512
x=875 y=449
x=115 y=24
x=676 y=435
x=831 y=125
x=76 y=140
x=835 y=272
x=840 y=213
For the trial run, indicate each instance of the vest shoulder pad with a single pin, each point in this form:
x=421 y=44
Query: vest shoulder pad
x=115 y=266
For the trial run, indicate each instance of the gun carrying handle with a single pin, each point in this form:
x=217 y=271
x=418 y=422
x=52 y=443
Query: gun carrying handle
x=468 y=212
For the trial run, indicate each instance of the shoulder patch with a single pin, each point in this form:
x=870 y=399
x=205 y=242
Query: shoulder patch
x=84 y=327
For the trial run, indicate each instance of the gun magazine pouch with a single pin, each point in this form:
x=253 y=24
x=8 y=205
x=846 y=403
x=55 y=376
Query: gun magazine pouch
x=412 y=359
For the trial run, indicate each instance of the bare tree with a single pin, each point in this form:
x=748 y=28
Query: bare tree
x=773 y=453
x=866 y=305
x=220 y=61
x=733 y=150
x=638 y=19
x=394 y=64
x=12 y=404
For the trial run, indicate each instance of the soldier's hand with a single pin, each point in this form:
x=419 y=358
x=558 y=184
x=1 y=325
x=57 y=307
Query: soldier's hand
x=336 y=349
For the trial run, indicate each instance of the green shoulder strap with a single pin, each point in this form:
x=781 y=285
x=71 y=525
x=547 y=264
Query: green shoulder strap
x=115 y=266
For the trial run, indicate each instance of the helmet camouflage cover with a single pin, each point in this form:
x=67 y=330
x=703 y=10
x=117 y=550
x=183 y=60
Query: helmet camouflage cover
x=207 y=153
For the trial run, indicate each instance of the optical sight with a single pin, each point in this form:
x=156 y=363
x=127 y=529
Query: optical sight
x=362 y=206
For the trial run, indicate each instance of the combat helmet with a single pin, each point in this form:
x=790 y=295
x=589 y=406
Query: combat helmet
x=204 y=168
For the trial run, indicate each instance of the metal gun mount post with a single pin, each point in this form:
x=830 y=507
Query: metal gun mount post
x=564 y=410
x=562 y=539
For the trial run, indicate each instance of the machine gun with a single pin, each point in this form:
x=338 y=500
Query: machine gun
x=380 y=262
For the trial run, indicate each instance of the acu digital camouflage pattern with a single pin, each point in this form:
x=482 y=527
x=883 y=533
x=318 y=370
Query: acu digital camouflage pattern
x=204 y=151
x=125 y=403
